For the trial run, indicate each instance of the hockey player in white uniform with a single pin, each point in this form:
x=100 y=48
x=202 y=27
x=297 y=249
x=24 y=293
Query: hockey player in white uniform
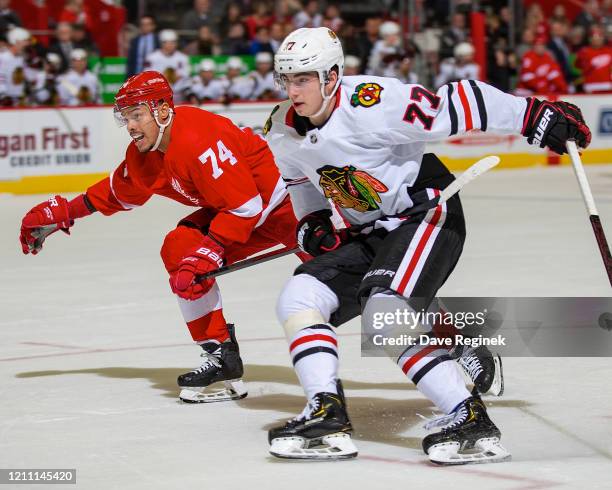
x=12 y=68
x=204 y=86
x=236 y=86
x=461 y=67
x=357 y=143
x=169 y=61
x=78 y=86
x=262 y=78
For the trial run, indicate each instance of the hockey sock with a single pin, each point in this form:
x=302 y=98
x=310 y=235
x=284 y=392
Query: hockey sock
x=204 y=317
x=314 y=353
x=435 y=375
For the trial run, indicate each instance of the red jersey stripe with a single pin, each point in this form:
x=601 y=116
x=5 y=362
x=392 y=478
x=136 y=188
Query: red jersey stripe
x=466 y=107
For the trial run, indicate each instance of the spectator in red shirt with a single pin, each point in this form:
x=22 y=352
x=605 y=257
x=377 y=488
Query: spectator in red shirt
x=74 y=13
x=595 y=61
x=540 y=73
x=259 y=18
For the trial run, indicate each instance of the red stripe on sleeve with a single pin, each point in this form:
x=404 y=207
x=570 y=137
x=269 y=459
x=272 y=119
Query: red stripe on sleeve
x=466 y=107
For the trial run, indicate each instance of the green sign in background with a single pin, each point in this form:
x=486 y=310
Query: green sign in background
x=111 y=71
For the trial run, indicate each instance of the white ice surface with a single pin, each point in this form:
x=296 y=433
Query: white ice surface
x=91 y=342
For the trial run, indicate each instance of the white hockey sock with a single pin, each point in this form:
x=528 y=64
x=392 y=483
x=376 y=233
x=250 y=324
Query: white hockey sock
x=435 y=375
x=314 y=354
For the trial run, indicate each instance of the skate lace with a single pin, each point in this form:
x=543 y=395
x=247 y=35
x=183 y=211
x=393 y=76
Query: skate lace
x=210 y=359
x=311 y=407
x=446 y=422
x=472 y=365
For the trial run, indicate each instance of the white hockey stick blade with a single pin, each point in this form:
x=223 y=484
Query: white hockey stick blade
x=476 y=170
x=486 y=450
x=234 y=389
x=331 y=447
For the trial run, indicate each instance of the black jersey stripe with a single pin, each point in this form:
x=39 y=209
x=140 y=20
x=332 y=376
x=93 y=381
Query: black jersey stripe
x=482 y=110
x=452 y=111
x=313 y=350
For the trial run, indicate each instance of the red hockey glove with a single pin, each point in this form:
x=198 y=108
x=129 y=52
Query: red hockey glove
x=316 y=234
x=43 y=220
x=48 y=217
x=552 y=124
x=207 y=257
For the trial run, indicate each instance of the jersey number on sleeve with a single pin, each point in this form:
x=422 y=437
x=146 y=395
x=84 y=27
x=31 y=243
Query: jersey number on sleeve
x=224 y=155
x=414 y=112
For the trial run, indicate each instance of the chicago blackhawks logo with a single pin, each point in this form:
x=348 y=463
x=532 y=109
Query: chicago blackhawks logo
x=268 y=126
x=366 y=95
x=351 y=188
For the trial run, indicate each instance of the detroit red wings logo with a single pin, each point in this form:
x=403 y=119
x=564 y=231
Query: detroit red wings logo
x=351 y=188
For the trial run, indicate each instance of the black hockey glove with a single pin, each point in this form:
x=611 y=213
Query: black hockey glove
x=552 y=124
x=316 y=234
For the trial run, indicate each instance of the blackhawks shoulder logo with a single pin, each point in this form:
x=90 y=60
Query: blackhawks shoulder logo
x=366 y=95
x=351 y=188
x=268 y=125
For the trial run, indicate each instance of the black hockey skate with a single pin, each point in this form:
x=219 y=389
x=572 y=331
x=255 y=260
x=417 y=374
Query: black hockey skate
x=483 y=368
x=321 y=432
x=221 y=363
x=468 y=436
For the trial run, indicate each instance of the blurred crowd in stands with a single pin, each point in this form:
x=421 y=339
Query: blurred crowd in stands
x=540 y=54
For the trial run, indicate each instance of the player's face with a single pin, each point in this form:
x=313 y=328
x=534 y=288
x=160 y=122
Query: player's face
x=142 y=127
x=169 y=47
x=79 y=65
x=264 y=68
x=207 y=75
x=304 y=91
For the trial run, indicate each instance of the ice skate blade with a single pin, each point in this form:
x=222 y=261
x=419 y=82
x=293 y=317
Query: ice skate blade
x=486 y=450
x=234 y=390
x=497 y=387
x=337 y=446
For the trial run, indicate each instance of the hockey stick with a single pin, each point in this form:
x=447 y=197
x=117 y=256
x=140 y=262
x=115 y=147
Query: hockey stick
x=479 y=168
x=589 y=202
x=243 y=264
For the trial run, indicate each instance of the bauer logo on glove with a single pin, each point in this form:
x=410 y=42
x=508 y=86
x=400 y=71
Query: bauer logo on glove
x=553 y=124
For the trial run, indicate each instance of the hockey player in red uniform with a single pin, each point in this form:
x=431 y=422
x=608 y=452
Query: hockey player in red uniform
x=202 y=160
x=595 y=61
x=540 y=73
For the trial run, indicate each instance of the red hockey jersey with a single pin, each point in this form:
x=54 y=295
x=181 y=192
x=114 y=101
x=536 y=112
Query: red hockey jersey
x=540 y=75
x=209 y=163
x=596 y=66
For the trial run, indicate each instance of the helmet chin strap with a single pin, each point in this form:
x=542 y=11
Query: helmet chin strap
x=162 y=127
x=326 y=98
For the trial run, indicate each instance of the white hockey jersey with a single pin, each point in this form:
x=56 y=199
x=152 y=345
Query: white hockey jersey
x=212 y=90
x=240 y=87
x=451 y=72
x=75 y=88
x=173 y=67
x=262 y=84
x=366 y=158
x=12 y=75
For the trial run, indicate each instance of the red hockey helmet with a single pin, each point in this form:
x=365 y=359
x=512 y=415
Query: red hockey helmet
x=149 y=87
